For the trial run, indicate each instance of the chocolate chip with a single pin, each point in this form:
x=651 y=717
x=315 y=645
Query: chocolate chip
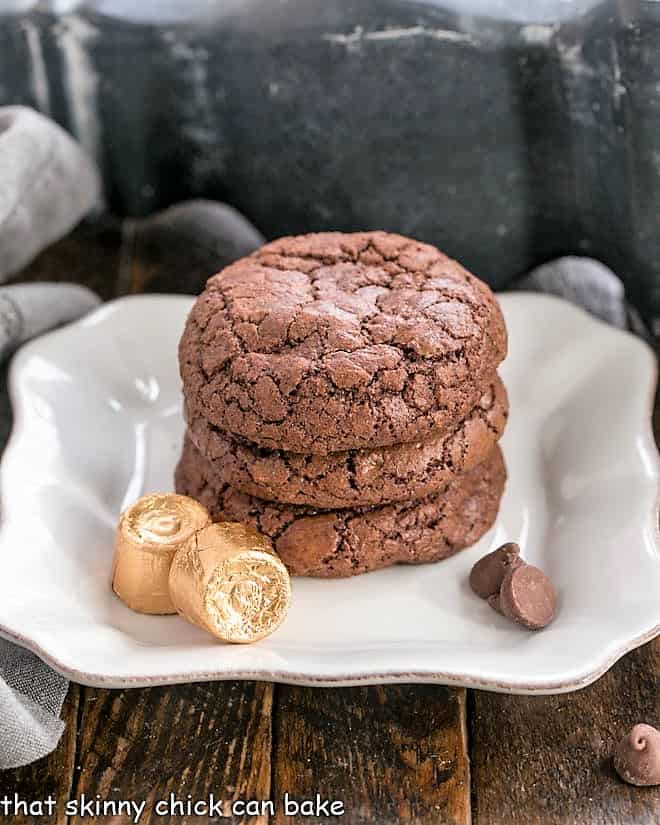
x=487 y=574
x=637 y=756
x=527 y=596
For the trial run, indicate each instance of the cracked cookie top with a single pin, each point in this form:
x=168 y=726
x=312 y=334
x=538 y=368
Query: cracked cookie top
x=335 y=341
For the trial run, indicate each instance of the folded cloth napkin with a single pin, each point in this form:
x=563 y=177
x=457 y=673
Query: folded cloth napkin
x=31 y=694
x=47 y=184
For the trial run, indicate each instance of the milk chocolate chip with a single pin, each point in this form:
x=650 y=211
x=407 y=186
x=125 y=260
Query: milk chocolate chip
x=487 y=574
x=637 y=756
x=527 y=597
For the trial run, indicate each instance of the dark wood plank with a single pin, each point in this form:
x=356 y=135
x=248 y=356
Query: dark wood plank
x=391 y=754
x=144 y=744
x=51 y=776
x=547 y=759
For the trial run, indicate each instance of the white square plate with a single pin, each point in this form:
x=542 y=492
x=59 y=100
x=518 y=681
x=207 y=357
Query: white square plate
x=98 y=422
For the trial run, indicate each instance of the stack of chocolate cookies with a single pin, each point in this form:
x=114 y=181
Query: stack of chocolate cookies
x=341 y=397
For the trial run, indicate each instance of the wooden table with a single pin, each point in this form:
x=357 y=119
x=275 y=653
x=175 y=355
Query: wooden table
x=406 y=754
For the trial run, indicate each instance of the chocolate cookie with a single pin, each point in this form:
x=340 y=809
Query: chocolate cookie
x=356 y=478
x=335 y=341
x=335 y=543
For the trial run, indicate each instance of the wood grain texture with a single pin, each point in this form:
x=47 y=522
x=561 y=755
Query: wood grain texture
x=144 y=744
x=50 y=776
x=392 y=754
x=546 y=760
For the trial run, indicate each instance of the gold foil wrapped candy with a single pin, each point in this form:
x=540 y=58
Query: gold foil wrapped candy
x=228 y=580
x=149 y=534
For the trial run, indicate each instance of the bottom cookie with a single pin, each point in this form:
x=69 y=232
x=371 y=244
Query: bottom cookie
x=337 y=543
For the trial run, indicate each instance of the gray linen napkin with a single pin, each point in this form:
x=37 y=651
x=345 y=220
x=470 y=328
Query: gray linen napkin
x=31 y=697
x=31 y=694
x=47 y=184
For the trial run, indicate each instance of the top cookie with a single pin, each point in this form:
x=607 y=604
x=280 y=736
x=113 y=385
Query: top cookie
x=335 y=341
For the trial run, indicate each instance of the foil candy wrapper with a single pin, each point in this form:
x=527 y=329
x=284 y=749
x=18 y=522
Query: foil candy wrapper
x=149 y=534
x=228 y=580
